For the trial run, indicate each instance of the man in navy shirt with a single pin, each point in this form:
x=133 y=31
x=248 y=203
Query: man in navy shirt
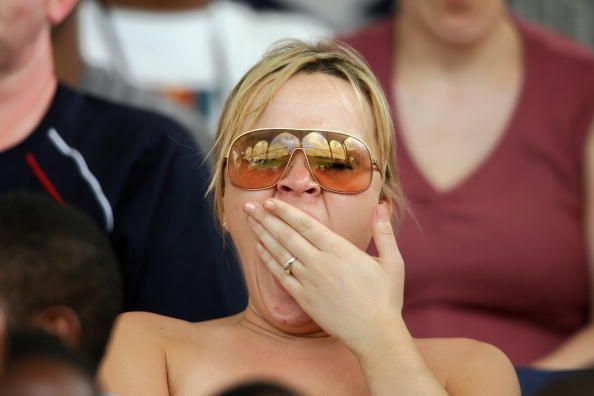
x=137 y=174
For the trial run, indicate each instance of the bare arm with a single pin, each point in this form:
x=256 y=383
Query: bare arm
x=388 y=355
x=392 y=364
x=135 y=364
x=578 y=350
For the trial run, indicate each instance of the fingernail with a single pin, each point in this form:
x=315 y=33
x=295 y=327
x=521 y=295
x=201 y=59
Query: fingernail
x=249 y=207
x=382 y=212
x=269 y=204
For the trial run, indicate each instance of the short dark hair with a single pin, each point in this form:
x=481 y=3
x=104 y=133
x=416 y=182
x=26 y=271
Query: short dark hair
x=51 y=255
x=259 y=388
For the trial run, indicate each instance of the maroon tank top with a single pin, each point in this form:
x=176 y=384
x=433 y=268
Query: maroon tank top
x=501 y=257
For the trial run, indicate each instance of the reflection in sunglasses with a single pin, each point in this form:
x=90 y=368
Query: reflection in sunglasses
x=338 y=151
x=282 y=145
x=322 y=153
x=338 y=162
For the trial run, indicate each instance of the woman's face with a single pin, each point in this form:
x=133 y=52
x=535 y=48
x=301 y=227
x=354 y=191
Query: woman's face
x=454 y=21
x=312 y=101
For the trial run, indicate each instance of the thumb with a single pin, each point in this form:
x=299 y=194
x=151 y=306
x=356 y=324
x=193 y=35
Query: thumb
x=383 y=236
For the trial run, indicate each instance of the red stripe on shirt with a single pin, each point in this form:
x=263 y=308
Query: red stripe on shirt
x=42 y=177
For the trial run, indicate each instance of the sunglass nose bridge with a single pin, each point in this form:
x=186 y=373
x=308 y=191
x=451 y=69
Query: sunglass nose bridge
x=292 y=158
x=291 y=181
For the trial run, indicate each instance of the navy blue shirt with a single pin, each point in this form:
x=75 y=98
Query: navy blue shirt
x=142 y=179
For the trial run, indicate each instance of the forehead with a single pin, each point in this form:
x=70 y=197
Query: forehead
x=318 y=101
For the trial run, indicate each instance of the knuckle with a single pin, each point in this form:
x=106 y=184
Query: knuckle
x=302 y=225
x=278 y=252
x=384 y=228
x=259 y=229
x=284 y=234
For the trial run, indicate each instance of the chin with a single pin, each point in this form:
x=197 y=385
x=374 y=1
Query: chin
x=288 y=315
x=281 y=310
x=464 y=25
x=459 y=31
x=284 y=311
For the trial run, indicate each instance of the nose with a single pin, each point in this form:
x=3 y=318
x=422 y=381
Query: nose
x=298 y=179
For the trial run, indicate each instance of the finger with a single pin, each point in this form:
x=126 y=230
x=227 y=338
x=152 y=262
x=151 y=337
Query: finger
x=298 y=270
x=289 y=282
x=275 y=230
x=383 y=236
x=315 y=232
x=278 y=251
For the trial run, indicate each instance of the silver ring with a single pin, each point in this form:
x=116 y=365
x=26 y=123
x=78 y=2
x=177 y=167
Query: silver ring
x=289 y=264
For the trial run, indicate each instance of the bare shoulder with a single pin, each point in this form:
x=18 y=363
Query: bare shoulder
x=145 y=325
x=135 y=362
x=162 y=333
x=469 y=367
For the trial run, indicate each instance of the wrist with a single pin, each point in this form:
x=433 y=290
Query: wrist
x=379 y=337
x=397 y=348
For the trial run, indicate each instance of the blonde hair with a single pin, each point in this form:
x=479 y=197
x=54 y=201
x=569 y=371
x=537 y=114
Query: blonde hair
x=254 y=91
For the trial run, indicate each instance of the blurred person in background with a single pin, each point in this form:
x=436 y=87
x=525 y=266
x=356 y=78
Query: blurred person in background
x=58 y=272
x=137 y=174
x=109 y=84
x=342 y=15
x=494 y=119
x=574 y=18
x=190 y=51
x=40 y=364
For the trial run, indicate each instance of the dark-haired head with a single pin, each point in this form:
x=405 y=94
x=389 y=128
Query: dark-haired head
x=57 y=271
x=37 y=360
x=259 y=388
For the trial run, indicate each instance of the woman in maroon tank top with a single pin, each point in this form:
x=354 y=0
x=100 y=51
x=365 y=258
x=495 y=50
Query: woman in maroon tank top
x=493 y=117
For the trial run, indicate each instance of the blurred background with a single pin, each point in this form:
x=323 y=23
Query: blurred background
x=192 y=52
x=182 y=58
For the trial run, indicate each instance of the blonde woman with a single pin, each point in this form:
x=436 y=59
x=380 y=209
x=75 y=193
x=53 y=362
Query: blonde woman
x=304 y=180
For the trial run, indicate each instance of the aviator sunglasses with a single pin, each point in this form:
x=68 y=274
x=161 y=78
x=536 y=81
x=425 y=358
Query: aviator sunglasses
x=338 y=162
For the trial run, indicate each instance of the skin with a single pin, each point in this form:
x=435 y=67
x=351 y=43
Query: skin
x=27 y=85
x=451 y=54
x=27 y=79
x=334 y=326
x=464 y=69
x=456 y=22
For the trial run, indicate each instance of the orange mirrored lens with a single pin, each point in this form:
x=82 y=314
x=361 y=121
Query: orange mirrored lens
x=257 y=161
x=347 y=168
x=338 y=162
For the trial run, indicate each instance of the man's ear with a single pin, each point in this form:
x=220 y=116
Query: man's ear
x=57 y=10
x=60 y=321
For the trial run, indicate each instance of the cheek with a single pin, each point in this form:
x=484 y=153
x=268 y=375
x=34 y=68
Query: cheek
x=350 y=216
x=236 y=218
